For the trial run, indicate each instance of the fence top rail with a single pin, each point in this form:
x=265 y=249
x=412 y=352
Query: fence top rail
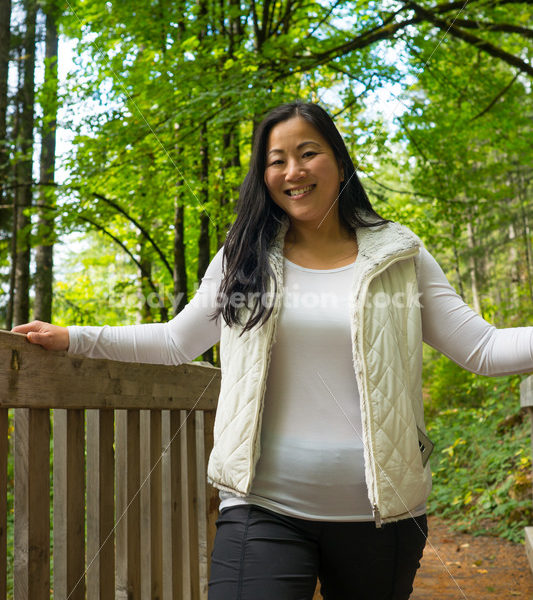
x=31 y=377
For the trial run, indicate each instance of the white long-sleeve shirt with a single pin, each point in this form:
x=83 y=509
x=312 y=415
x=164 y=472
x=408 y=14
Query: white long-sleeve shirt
x=311 y=463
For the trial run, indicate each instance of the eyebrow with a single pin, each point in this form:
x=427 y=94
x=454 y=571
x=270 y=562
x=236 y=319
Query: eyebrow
x=301 y=145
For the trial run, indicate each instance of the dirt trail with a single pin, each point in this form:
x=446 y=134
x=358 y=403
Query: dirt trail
x=482 y=567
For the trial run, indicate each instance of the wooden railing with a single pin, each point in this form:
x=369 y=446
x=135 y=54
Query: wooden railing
x=128 y=513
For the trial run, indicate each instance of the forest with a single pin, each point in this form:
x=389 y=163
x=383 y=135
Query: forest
x=125 y=132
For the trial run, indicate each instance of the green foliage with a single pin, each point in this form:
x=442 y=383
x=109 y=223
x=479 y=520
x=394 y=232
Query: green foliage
x=481 y=464
x=158 y=86
x=96 y=286
x=166 y=88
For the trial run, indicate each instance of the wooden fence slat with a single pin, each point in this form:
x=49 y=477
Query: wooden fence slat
x=121 y=530
x=156 y=506
x=146 y=563
x=192 y=501
x=100 y=505
x=21 y=505
x=184 y=506
x=133 y=514
x=166 y=510
x=212 y=497
x=32 y=505
x=128 y=556
x=69 y=504
x=4 y=448
x=201 y=490
x=151 y=505
x=176 y=506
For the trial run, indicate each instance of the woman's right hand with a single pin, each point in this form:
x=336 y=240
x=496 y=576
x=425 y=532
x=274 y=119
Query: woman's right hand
x=51 y=337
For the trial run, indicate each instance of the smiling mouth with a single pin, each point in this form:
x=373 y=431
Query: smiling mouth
x=300 y=191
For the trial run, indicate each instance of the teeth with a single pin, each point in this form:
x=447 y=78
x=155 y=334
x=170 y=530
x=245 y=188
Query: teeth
x=300 y=191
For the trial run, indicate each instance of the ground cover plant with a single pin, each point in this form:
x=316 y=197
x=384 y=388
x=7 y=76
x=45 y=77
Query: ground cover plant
x=482 y=458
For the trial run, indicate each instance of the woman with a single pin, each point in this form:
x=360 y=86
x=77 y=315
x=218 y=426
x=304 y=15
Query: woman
x=321 y=308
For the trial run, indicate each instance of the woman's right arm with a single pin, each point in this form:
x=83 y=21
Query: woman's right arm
x=182 y=339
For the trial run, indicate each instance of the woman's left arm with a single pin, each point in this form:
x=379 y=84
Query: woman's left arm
x=456 y=330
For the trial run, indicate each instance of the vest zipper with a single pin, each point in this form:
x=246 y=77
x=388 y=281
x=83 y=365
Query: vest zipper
x=271 y=324
x=410 y=253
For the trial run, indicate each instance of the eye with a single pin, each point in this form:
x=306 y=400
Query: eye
x=278 y=161
x=309 y=153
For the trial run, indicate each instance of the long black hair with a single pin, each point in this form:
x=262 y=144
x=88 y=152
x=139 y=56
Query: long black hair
x=247 y=272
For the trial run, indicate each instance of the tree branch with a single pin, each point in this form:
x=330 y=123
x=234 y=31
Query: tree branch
x=406 y=192
x=503 y=27
x=479 y=43
x=117 y=241
x=119 y=209
x=315 y=60
x=496 y=98
x=162 y=308
x=131 y=219
x=323 y=19
x=388 y=30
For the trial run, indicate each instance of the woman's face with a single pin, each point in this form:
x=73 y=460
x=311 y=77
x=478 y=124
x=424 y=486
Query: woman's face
x=302 y=174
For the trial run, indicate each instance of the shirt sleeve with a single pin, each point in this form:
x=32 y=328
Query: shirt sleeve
x=190 y=333
x=456 y=330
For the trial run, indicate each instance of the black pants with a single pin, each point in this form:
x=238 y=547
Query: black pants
x=262 y=555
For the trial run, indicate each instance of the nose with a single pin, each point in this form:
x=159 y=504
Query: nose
x=295 y=170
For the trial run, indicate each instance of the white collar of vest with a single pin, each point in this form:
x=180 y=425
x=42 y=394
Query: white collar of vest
x=376 y=246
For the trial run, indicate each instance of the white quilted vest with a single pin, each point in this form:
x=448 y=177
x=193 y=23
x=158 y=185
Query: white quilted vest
x=387 y=358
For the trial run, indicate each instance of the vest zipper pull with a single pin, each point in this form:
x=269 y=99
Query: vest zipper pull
x=377 y=516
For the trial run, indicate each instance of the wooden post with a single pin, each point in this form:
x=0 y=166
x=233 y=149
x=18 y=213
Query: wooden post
x=32 y=504
x=146 y=563
x=4 y=447
x=156 y=506
x=100 y=505
x=192 y=500
x=69 y=504
x=128 y=556
x=151 y=505
x=176 y=506
x=211 y=493
x=526 y=402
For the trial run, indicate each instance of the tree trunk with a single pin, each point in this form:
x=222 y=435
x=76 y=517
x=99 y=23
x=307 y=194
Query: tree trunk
x=180 y=270
x=230 y=143
x=5 y=198
x=45 y=249
x=145 y=289
x=456 y=262
x=179 y=274
x=5 y=38
x=526 y=233
x=473 y=268
x=514 y=267
x=13 y=267
x=14 y=224
x=21 y=305
x=203 y=239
